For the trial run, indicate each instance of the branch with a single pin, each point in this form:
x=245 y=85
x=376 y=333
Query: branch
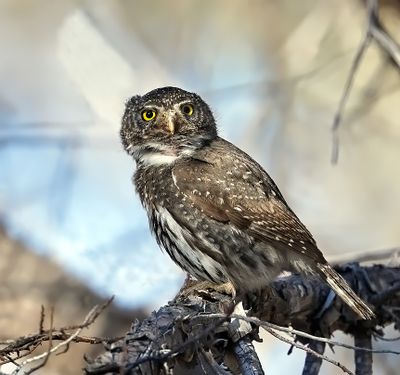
x=198 y=330
x=372 y=14
x=376 y=32
x=25 y=345
x=313 y=363
x=363 y=359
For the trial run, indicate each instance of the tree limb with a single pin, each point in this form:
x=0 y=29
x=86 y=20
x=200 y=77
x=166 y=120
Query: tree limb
x=194 y=331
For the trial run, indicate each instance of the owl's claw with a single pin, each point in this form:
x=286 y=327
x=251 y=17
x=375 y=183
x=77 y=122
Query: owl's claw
x=193 y=286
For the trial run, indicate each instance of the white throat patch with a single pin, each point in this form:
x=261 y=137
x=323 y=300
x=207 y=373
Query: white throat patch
x=157 y=158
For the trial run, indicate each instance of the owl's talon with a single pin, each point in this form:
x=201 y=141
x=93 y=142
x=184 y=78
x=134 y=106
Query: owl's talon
x=191 y=286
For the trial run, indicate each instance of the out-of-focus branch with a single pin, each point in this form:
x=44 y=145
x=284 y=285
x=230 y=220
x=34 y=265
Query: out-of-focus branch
x=365 y=256
x=312 y=363
x=197 y=325
x=372 y=15
x=363 y=359
x=374 y=32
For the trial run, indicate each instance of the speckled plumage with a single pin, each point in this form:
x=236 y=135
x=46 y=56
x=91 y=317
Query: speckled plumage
x=213 y=209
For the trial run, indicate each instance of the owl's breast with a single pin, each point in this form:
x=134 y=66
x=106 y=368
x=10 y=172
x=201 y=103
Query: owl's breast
x=155 y=187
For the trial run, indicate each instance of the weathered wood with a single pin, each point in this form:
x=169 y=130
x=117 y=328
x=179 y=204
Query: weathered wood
x=189 y=336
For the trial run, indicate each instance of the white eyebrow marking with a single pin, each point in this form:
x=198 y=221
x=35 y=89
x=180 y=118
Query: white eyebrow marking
x=178 y=105
x=152 y=106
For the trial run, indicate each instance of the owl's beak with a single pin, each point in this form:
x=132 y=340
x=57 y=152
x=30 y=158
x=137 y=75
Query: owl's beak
x=169 y=122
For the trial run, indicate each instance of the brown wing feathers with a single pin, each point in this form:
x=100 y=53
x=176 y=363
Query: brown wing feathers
x=265 y=217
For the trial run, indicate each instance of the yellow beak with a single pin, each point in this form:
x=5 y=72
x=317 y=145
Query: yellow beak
x=170 y=124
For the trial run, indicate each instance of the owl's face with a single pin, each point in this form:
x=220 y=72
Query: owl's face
x=166 y=121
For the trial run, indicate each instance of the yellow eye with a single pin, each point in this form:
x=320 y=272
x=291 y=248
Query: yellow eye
x=148 y=114
x=187 y=109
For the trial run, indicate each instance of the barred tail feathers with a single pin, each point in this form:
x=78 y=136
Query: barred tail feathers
x=344 y=291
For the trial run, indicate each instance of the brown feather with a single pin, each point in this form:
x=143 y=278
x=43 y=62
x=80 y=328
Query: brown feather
x=260 y=211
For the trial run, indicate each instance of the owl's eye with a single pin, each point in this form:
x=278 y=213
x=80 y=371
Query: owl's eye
x=187 y=109
x=148 y=114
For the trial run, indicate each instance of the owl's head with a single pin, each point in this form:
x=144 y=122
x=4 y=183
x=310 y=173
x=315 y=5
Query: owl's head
x=166 y=123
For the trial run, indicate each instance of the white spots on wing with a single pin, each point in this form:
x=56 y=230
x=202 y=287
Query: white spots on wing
x=187 y=152
x=196 y=192
x=236 y=208
x=277 y=238
x=273 y=193
x=174 y=179
x=229 y=173
x=246 y=175
x=207 y=194
x=220 y=201
x=302 y=266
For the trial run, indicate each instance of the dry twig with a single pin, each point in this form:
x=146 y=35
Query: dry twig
x=374 y=32
x=24 y=346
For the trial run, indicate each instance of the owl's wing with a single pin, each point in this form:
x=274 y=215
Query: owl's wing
x=246 y=197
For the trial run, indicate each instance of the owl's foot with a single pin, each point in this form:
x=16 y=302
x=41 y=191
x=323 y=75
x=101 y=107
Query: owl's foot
x=225 y=288
x=192 y=286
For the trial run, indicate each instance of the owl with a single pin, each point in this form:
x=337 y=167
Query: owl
x=212 y=208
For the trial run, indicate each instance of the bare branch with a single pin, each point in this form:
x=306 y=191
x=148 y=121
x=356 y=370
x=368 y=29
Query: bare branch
x=195 y=331
x=372 y=9
x=46 y=355
x=363 y=358
x=365 y=256
x=247 y=357
x=25 y=345
x=310 y=351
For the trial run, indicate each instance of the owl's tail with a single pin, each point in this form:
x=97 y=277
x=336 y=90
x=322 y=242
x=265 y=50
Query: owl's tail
x=344 y=291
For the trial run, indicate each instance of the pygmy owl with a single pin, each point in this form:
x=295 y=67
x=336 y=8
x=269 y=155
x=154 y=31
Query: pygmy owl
x=214 y=210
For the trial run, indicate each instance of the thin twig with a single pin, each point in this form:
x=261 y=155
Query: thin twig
x=386 y=42
x=89 y=317
x=41 y=321
x=296 y=332
x=48 y=352
x=308 y=350
x=31 y=342
x=349 y=83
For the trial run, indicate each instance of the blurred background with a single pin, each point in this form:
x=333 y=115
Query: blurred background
x=72 y=231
